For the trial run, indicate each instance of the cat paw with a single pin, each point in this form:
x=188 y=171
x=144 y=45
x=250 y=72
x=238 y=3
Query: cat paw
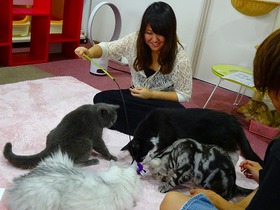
x=163 y=189
x=110 y=157
x=158 y=176
x=155 y=163
x=95 y=161
x=114 y=158
x=90 y=162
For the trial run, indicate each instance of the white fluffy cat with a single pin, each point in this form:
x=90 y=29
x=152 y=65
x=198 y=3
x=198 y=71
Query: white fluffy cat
x=56 y=183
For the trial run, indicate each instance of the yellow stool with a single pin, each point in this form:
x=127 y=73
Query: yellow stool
x=236 y=74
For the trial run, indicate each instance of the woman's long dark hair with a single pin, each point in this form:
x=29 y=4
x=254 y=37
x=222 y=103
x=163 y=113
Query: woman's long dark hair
x=162 y=20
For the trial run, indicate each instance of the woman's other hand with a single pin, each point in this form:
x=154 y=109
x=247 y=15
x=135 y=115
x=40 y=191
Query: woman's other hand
x=250 y=169
x=144 y=93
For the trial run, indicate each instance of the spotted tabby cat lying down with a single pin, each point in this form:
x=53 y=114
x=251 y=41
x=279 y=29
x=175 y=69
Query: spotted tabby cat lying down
x=207 y=166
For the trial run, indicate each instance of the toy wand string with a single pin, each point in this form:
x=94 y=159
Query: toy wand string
x=99 y=66
x=140 y=169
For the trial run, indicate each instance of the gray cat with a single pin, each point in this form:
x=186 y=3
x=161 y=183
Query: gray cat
x=57 y=184
x=78 y=133
x=207 y=166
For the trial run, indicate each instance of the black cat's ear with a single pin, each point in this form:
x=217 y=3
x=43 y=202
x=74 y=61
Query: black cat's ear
x=126 y=147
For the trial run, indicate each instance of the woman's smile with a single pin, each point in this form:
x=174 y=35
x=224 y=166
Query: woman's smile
x=154 y=41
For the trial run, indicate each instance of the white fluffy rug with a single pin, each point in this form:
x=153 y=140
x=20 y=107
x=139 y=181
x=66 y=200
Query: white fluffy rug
x=30 y=109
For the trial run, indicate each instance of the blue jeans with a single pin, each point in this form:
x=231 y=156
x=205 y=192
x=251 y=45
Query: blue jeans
x=199 y=202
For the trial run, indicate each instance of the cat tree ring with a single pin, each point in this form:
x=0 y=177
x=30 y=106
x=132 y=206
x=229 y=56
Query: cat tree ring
x=103 y=61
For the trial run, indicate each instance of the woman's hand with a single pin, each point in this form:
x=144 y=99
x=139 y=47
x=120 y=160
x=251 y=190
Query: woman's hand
x=80 y=51
x=144 y=93
x=250 y=169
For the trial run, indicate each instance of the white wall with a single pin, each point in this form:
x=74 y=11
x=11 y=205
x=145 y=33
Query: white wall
x=132 y=11
x=229 y=36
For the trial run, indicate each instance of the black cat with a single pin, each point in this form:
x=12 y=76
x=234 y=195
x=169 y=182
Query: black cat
x=163 y=126
x=77 y=134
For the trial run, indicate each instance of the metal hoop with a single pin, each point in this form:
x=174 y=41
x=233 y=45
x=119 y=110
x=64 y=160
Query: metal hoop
x=118 y=24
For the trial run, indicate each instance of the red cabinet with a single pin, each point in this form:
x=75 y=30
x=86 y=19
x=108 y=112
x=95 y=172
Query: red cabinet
x=40 y=37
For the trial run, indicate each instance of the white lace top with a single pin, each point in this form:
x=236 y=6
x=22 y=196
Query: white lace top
x=179 y=80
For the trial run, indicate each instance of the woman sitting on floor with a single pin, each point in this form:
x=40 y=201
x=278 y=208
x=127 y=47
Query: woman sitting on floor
x=160 y=70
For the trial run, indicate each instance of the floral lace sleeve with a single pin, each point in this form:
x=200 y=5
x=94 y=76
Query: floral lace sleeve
x=124 y=47
x=182 y=75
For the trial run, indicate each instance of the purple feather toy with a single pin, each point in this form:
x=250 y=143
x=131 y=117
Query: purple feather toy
x=140 y=169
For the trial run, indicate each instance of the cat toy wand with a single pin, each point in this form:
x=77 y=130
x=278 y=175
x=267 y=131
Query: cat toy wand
x=99 y=66
x=140 y=169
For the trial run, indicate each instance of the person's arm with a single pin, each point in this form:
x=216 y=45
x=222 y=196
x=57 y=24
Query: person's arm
x=221 y=203
x=94 y=52
x=153 y=94
x=182 y=77
x=112 y=50
x=268 y=194
x=175 y=200
x=245 y=201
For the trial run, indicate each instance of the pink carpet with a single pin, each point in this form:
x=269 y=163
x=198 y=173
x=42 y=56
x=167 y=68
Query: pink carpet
x=30 y=109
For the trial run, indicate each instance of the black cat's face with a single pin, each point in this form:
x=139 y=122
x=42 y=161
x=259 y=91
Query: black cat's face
x=137 y=150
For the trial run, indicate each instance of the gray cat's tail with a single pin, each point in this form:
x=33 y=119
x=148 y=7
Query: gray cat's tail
x=21 y=161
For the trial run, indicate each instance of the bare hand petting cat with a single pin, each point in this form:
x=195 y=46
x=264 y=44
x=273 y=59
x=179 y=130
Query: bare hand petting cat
x=140 y=92
x=250 y=169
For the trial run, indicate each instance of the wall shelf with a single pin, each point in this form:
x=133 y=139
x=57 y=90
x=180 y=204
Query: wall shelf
x=30 y=11
x=40 y=14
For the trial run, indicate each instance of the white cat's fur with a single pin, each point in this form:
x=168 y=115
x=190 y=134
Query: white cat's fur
x=56 y=183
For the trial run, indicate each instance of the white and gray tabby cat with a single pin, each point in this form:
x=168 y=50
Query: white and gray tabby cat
x=207 y=166
x=78 y=133
x=59 y=184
